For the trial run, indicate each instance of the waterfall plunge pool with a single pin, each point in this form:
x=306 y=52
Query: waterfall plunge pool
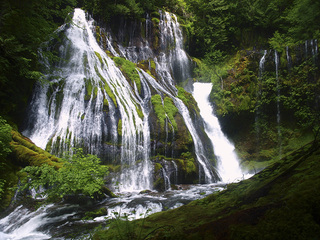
x=76 y=221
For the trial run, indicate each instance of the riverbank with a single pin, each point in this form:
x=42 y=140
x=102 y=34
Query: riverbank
x=280 y=202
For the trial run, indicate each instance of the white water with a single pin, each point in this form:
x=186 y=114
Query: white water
x=228 y=164
x=65 y=122
x=261 y=63
x=65 y=219
x=24 y=224
x=80 y=122
x=276 y=60
x=258 y=94
x=183 y=110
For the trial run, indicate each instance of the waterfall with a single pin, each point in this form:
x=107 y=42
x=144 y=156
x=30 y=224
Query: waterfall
x=166 y=177
x=171 y=37
x=288 y=58
x=306 y=49
x=261 y=64
x=258 y=94
x=314 y=49
x=94 y=96
x=276 y=60
x=89 y=103
x=204 y=165
x=228 y=164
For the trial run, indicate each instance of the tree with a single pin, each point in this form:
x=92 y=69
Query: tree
x=304 y=19
x=5 y=139
x=79 y=174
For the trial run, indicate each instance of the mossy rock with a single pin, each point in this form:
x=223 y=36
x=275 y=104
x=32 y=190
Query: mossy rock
x=129 y=71
x=26 y=152
x=165 y=109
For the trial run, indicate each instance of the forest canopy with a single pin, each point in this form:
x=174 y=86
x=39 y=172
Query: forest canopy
x=215 y=29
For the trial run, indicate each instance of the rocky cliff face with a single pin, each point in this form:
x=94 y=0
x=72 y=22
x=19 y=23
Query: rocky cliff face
x=113 y=91
x=265 y=103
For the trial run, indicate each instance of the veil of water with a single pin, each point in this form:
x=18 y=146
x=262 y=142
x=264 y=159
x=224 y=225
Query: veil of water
x=73 y=113
x=228 y=164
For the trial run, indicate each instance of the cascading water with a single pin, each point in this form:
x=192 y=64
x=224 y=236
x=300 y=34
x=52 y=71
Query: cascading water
x=209 y=173
x=289 y=60
x=276 y=60
x=89 y=103
x=228 y=164
x=172 y=59
x=91 y=83
x=261 y=63
x=258 y=95
x=171 y=37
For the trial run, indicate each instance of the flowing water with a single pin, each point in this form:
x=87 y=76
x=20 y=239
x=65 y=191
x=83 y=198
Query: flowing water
x=90 y=102
x=68 y=220
x=258 y=95
x=90 y=85
x=289 y=59
x=228 y=164
x=276 y=60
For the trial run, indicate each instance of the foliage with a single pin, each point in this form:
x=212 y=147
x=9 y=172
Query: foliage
x=127 y=230
x=5 y=149
x=5 y=138
x=225 y=26
x=79 y=174
x=24 y=25
x=128 y=68
x=304 y=19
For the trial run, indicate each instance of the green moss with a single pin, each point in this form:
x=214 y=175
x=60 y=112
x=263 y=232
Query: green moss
x=149 y=67
x=106 y=87
x=188 y=163
x=159 y=183
x=24 y=152
x=156 y=101
x=99 y=57
x=167 y=109
x=95 y=92
x=157 y=167
x=155 y=21
x=114 y=168
x=85 y=62
x=96 y=213
x=105 y=105
x=188 y=100
x=129 y=70
x=171 y=111
x=139 y=111
x=152 y=64
x=98 y=36
x=88 y=83
x=120 y=127
x=190 y=166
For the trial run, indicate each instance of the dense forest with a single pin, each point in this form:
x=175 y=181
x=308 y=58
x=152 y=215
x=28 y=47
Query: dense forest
x=215 y=30
x=262 y=60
